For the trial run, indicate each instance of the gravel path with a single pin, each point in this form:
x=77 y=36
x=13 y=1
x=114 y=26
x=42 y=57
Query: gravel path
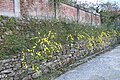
x=104 y=67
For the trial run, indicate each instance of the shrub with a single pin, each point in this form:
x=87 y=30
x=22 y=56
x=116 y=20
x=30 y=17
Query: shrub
x=39 y=40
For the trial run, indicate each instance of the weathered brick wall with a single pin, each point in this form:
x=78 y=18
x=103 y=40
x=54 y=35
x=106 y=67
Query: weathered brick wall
x=96 y=19
x=66 y=11
x=69 y=12
x=45 y=9
x=88 y=17
x=39 y=8
x=7 y=7
x=82 y=16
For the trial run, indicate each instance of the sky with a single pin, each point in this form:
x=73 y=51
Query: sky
x=99 y=1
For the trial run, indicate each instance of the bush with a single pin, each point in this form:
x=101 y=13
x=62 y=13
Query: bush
x=41 y=39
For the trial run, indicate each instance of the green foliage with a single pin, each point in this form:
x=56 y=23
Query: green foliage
x=49 y=43
x=42 y=50
x=109 y=13
x=39 y=40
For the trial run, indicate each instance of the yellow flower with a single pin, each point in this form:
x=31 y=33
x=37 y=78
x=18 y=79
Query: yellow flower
x=92 y=38
x=50 y=56
x=38 y=53
x=23 y=53
x=55 y=43
x=33 y=67
x=60 y=46
x=39 y=40
x=34 y=47
x=69 y=38
x=39 y=33
x=26 y=66
x=29 y=50
x=32 y=54
x=45 y=39
x=49 y=33
x=52 y=36
x=46 y=49
x=90 y=44
x=23 y=58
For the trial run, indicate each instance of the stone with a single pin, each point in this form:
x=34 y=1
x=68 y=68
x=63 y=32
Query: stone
x=16 y=78
x=49 y=63
x=1 y=66
x=5 y=61
x=1 y=24
x=36 y=75
x=9 y=66
x=11 y=79
x=11 y=74
x=18 y=65
x=12 y=60
x=31 y=71
x=27 y=77
x=2 y=76
x=6 y=64
x=19 y=71
x=7 y=71
x=15 y=69
x=7 y=78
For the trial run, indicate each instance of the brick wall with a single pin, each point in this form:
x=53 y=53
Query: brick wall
x=10 y=8
x=7 y=7
x=82 y=16
x=96 y=19
x=45 y=9
x=39 y=8
x=69 y=12
x=85 y=17
x=88 y=17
